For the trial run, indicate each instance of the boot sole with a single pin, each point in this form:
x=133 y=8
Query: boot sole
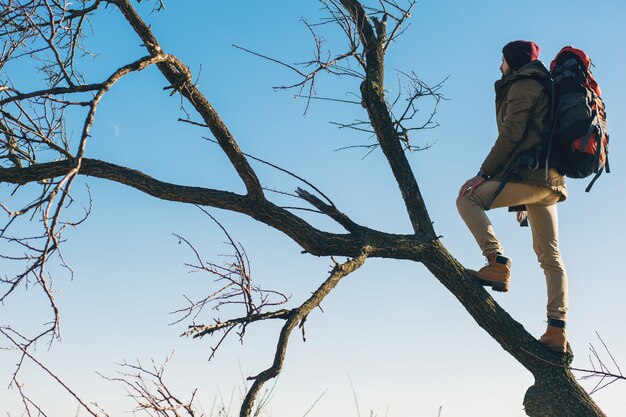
x=495 y=285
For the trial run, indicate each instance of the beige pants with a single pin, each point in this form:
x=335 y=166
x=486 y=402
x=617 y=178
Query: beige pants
x=542 y=216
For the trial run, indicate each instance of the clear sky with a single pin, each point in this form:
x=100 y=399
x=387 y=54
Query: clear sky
x=390 y=330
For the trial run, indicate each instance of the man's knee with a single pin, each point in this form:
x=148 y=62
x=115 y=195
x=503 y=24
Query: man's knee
x=550 y=261
x=467 y=202
x=462 y=204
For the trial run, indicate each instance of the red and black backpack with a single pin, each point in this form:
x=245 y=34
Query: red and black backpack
x=579 y=139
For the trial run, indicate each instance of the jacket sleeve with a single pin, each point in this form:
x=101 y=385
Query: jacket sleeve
x=519 y=104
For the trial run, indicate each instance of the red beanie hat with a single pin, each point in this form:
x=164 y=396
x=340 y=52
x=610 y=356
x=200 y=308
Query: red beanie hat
x=519 y=53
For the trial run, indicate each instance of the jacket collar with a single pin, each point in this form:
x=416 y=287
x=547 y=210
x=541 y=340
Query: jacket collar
x=534 y=69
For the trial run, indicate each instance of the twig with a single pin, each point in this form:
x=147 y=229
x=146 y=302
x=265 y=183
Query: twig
x=50 y=373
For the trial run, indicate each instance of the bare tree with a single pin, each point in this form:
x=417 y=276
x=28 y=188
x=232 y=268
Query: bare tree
x=40 y=159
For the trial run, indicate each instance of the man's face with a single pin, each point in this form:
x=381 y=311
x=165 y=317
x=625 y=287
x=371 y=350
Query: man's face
x=504 y=67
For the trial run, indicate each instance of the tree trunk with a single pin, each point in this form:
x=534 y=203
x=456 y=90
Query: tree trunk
x=556 y=393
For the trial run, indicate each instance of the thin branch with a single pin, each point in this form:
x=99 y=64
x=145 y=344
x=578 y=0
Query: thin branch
x=201 y=330
x=25 y=353
x=147 y=387
x=298 y=315
x=52 y=91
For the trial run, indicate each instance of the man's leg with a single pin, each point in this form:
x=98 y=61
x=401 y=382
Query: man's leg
x=544 y=225
x=472 y=209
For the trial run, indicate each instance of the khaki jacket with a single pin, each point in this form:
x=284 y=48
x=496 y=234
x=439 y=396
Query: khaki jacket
x=523 y=118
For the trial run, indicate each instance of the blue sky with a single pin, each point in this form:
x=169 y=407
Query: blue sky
x=390 y=329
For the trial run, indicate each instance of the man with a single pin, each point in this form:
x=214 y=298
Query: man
x=514 y=174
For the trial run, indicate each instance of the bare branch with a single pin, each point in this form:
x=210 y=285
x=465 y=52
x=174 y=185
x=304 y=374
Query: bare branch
x=312 y=240
x=236 y=288
x=147 y=387
x=200 y=330
x=405 y=13
x=298 y=315
x=50 y=92
x=331 y=211
x=180 y=78
x=24 y=349
x=322 y=62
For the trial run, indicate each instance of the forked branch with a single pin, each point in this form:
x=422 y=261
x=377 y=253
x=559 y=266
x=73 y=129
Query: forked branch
x=148 y=388
x=298 y=316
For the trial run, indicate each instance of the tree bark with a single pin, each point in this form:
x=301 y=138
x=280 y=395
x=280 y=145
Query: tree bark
x=556 y=393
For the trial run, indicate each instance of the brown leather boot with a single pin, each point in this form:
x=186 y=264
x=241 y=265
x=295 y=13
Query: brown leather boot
x=495 y=274
x=554 y=337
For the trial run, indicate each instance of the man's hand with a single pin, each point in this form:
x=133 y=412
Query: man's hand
x=522 y=218
x=471 y=184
